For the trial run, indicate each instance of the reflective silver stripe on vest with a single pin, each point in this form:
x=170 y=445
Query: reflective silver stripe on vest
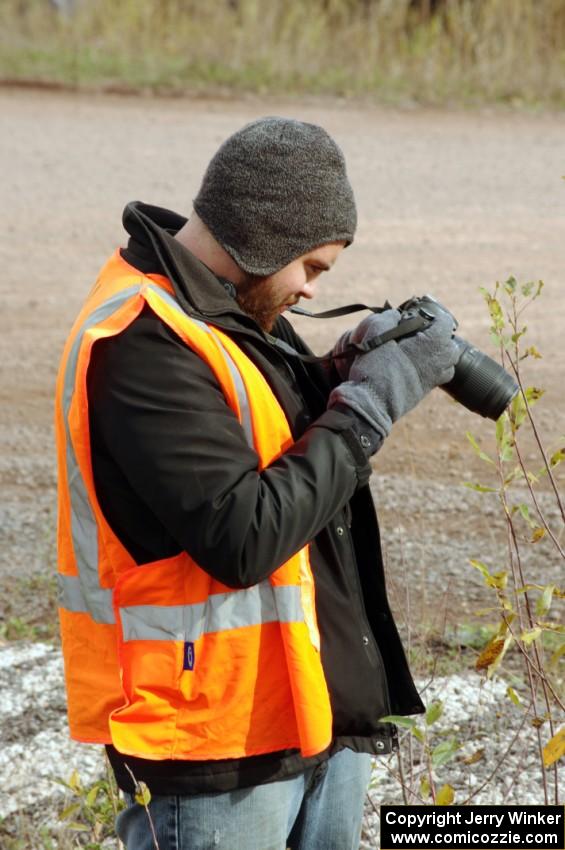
x=253 y=606
x=82 y=593
x=244 y=405
x=71 y=598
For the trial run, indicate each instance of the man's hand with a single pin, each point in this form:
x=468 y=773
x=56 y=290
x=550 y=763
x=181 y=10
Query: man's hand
x=373 y=325
x=387 y=382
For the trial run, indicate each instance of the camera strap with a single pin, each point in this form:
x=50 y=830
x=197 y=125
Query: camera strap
x=353 y=349
x=339 y=311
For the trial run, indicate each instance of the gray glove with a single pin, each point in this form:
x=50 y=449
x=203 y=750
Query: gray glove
x=373 y=325
x=387 y=382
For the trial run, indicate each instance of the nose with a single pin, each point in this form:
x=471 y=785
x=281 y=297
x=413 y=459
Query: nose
x=308 y=290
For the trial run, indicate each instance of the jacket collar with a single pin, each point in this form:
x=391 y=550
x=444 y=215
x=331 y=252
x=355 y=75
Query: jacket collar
x=152 y=229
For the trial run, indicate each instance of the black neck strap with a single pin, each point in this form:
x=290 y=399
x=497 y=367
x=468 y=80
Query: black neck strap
x=339 y=311
x=353 y=349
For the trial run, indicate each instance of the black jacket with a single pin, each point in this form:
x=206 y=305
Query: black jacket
x=173 y=472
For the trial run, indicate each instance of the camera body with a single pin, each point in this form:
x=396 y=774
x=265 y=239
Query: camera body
x=480 y=383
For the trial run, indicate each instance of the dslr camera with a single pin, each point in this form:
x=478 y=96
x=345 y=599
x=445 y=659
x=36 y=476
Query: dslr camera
x=479 y=383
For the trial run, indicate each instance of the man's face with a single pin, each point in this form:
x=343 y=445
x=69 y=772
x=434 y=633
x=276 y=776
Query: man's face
x=265 y=298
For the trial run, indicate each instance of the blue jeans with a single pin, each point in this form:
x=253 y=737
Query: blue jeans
x=320 y=809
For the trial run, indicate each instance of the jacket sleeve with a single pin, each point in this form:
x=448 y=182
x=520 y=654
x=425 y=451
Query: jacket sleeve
x=164 y=420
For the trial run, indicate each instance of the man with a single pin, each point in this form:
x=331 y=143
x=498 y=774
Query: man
x=225 y=625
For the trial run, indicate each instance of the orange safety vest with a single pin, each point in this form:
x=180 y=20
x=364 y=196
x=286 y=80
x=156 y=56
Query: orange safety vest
x=162 y=660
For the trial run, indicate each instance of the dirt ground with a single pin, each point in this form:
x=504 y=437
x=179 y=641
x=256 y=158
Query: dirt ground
x=448 y=202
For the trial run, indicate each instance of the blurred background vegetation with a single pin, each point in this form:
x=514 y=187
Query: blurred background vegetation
x=392 y=51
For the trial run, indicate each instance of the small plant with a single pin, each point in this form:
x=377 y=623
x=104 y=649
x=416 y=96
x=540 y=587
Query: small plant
x=524 y=608
x=28 y=837
x=523 y=632
x=29 y=612
x=16 y=628
x=433 y=756
x=90 y=811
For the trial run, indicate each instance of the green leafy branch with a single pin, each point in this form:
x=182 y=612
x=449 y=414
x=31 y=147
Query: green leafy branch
x=523 y=623
x=434 y=755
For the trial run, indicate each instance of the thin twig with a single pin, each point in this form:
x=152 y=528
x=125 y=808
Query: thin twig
x=498 y=764
x=430 y=776
x=538 y=665
x=139 y=791
x=398 y=779
x=514 y=550
x=538 y=650
x=113 y=793
x=520 y=581
x=536 y=433
x=516 y=566
x=535 y=501
x=402 y=778
x=537 y=670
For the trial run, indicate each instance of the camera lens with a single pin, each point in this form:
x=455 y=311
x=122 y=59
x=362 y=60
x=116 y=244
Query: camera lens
x=480 y=383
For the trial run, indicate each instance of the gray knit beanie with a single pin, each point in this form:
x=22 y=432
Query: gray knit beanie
x=275 y=190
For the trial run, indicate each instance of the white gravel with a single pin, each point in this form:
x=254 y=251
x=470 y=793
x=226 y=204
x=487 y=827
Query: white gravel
x=479 y=715
x=36 y=748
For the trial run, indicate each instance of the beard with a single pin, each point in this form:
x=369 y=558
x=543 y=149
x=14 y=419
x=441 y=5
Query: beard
x=257 y=297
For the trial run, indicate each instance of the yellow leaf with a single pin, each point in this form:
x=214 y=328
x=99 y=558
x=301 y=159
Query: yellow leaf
x=78 y=827
x=552 y=627
x=90 y=798
x=474 y=757
x=142 y=794
x=555 y=748
x=418 y=734
x=445 y=796
x=537 y=535
x=504 y=625
x=480 y=488
x=530 y=636
x=74 y=782
x=513 y=696
x=481 y=454
x=525 y=587
x=533 y=394
x=498 y=580
x=490 y=653
x=543 y=604
x=434 y=712
x=69 y=811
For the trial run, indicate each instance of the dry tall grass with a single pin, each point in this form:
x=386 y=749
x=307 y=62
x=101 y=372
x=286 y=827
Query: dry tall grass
x=469 y=50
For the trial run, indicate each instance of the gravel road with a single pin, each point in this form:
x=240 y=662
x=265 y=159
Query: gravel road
x=448 y=202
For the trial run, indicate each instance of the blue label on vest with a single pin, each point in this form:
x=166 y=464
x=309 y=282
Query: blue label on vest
x=188 y=655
